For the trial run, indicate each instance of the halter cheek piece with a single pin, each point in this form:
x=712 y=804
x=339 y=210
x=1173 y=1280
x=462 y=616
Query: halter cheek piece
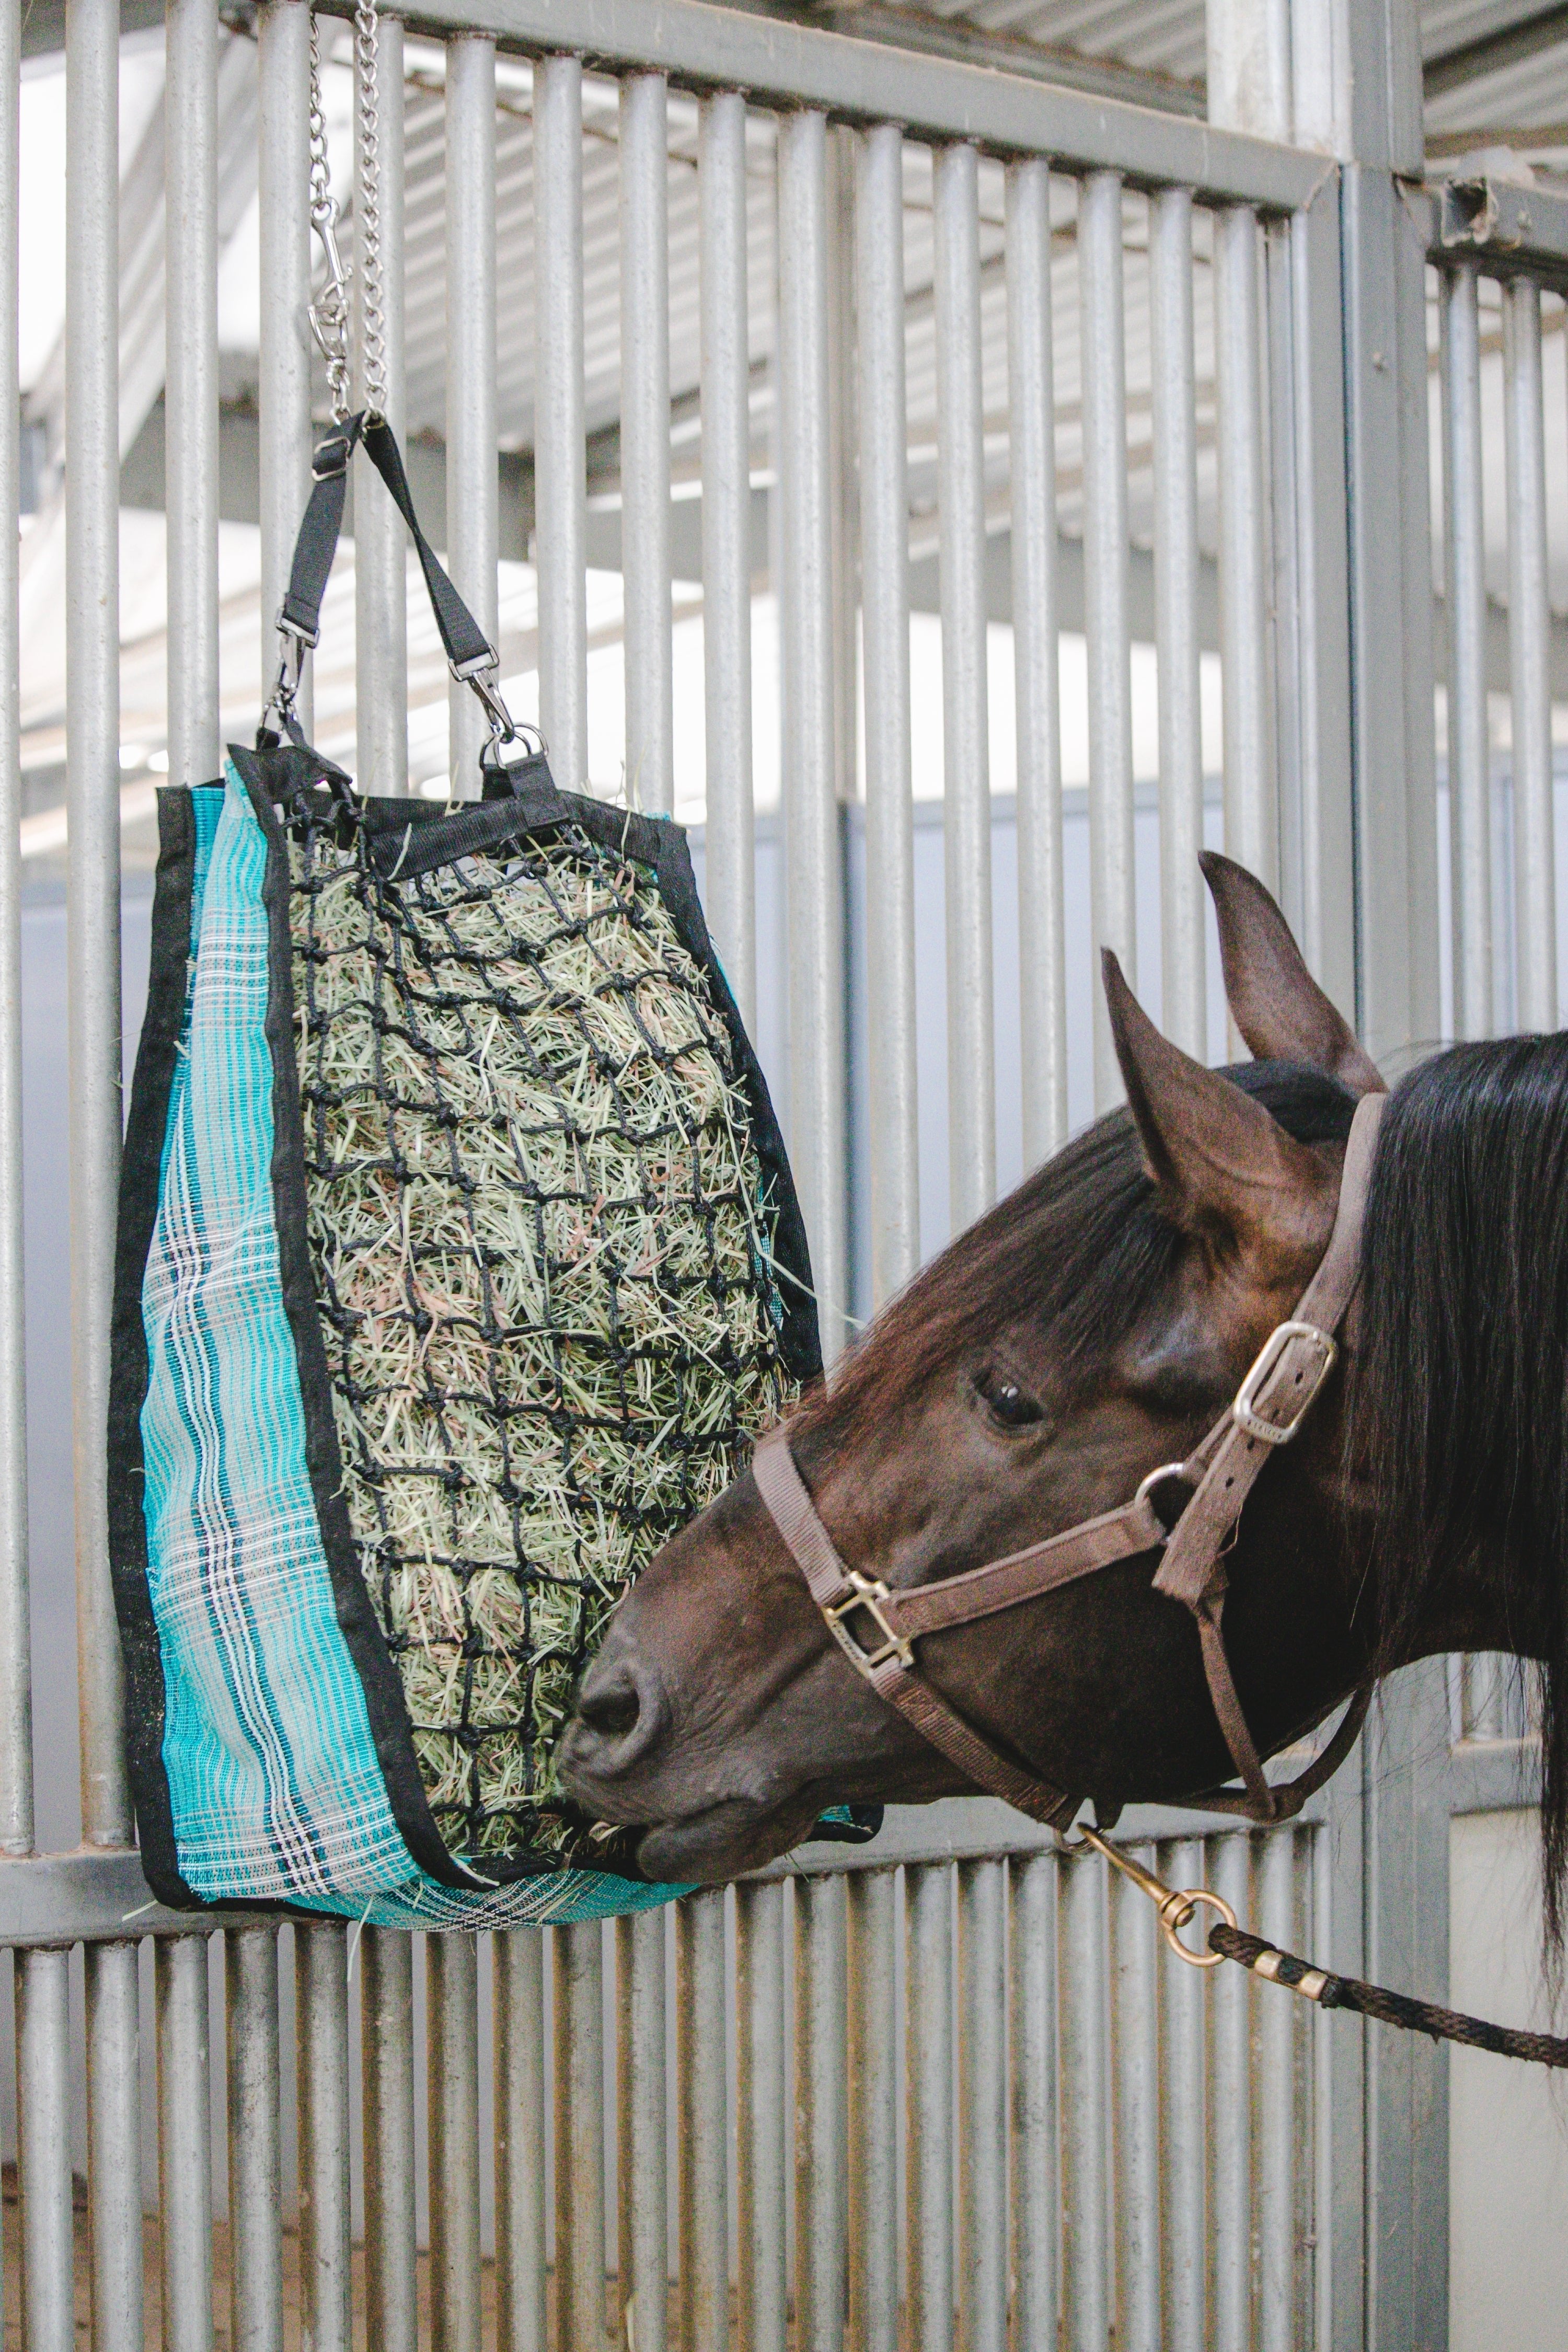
x=878 y=1628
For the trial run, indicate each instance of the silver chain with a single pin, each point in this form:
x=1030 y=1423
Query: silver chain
x=367 y=213
x=329 y=310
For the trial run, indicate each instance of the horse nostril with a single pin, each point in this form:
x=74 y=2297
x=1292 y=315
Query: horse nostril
x=613 y=1710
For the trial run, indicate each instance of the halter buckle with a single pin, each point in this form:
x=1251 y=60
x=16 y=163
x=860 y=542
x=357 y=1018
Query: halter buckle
x=1244 y=1411
x=869 y=1593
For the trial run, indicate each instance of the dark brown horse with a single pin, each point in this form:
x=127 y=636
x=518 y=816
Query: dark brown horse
x=1090 y=1327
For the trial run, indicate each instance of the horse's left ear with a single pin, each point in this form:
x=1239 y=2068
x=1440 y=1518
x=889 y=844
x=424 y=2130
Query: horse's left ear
x=1277 y=1004
x=1226 y=1171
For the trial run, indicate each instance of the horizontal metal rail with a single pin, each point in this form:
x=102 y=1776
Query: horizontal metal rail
x=1514 y=231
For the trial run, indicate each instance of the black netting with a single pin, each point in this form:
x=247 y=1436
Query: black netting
x=542 y=1244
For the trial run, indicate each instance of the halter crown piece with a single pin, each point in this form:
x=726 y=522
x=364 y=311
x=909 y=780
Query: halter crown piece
x=877 y=1628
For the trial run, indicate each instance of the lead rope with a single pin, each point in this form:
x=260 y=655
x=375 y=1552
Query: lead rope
x=1177 y=1906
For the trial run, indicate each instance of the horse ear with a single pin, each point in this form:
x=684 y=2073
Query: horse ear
x=1224 y=1169
x=1278 y=1006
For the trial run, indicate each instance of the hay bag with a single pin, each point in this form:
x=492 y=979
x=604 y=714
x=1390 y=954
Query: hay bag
x=460 y=1266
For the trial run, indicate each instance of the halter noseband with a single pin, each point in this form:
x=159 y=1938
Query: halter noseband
x=1267 y=1411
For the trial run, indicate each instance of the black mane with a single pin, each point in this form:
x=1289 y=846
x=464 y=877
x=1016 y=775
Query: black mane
x=1460 y=1409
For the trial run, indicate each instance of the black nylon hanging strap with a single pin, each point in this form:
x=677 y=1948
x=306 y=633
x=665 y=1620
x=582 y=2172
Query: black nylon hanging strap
x=467 y=647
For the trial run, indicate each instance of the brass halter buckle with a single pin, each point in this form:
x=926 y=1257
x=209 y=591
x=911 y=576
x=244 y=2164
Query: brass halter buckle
x=1245 y=1412
x=868 y=1595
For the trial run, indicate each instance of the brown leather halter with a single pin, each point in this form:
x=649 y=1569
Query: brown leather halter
x=1267 y=1411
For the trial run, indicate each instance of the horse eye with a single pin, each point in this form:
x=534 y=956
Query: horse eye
x=1013 y=1407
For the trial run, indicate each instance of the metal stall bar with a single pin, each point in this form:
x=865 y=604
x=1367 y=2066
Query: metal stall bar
x=452 y=2079
x=386 y=2073
x=1135 y=2046
x=873 y=2053
x=643 y=2180
x=885 y=626
x=1529 y=650
x=821 y=2118
x=761 y=2160
x=520 y=2318
x=1031 y=391
x=114 y=2145
x=256 y=2143
x=1469 y=746
x=1251 y=802
x=16 y=1662
x=1230 y=2115
x=381 y=539
x=1112 y=909
x=966 y=778
x=580 y=2133
x=983 y=2104
x=1281 y=2161
x=185 y=2142
x=321 y=2061
x=1184 y=983
x=644 y=441
x=1085 y=2095
x=814 y=883
x=702 y=2072
x=283 y=66
x=1037 y=2201
x=473 y=479
x=1183 y=2103
x=42 y=2150
x=558 y=445
x=92 y=891
x=731 y=876
x=190 y=387
x=928 y=2075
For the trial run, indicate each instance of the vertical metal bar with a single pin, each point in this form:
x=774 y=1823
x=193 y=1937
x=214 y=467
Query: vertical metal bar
x=283 y=65
x=760 y=2158
x=1042 y=976
x=871 y=1897
x=473 y=481
x=386 y=2075
x=1183 y=993
x=558 y=448
x=704 y=2128
x=821 y=2120
x=15 y=1666
x=190 y=387
x=1251 y=801
x=1112 y=909
x=1230 y=2158
x=1037 y=2203
x=640 y=2115
x=983 y=2104
x=381 y=541
x=1469 y=746
x=42 y=2150
x=928 y=2074
x=92 y=894
x=644 y=441
x=522 y=2320
x=813 y=881
x=1529 y=645
x=884 y=627
x=1280 y=2122
x=1135 y=2042
x=1183 y=2105
x=114 y=2145
x=1086 y=2109
x=255 y=2141
x=727 y=540
x=185 y=2142
x=321 y=2059
x=580 y=2133
x=966 y=802
x=452 y=2057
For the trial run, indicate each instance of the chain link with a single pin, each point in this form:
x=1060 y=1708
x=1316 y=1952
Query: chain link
x=329 y=310
x=367 y=213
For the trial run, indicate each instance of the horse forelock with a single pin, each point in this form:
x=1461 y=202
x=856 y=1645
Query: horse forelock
x=1458 y=1419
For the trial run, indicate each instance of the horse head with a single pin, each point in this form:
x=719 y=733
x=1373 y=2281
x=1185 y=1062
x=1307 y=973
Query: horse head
x=1088 y=1330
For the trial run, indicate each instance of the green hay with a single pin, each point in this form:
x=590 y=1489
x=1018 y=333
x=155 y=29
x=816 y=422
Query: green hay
x=542 y=1251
